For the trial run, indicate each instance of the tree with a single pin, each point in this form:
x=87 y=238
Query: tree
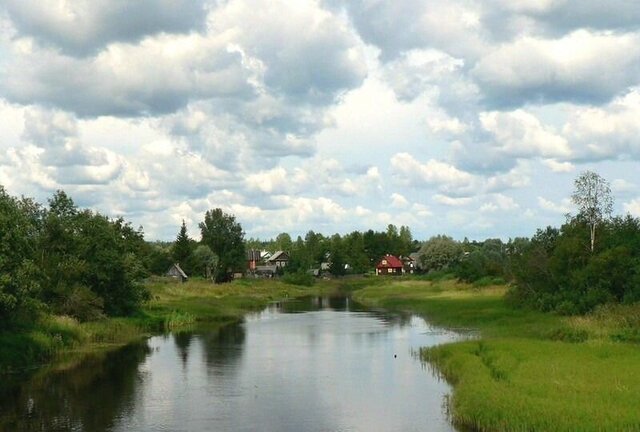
x=440 y=252
x=19 y=285
x=182 y=247
x=592 y=195
x=205 y=261
x=283 y=242
x=224 y=236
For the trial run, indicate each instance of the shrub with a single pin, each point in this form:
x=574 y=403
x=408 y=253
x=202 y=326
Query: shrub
x=299 y=278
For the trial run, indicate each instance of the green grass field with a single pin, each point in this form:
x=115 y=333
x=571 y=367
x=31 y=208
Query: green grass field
x=528 y=371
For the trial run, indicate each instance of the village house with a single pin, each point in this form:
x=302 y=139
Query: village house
x=177 y=273
x=389 y=265
x=279 y=259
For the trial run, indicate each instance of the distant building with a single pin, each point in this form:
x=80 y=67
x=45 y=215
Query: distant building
x=408 y=264
x=253 y=259
x=417 y=261
x=177 y=273
x=389 y=265
x=279 y=259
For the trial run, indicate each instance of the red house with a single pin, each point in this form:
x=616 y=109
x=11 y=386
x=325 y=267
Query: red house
x=389 y=265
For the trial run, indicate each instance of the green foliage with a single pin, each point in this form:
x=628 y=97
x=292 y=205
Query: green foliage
x=440 y=252
x=204 y=262
x=182 y=249
x=224 y=236
x=559 y=272
x=300 y=277
x=71 y=262
x=19 y=276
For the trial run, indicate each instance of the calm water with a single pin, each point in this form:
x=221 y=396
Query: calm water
x=313 y=365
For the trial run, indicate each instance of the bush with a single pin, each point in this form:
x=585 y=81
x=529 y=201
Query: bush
x=299 y=278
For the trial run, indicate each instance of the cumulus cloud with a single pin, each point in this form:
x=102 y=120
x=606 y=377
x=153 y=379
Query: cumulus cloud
x=554 y=17
x=158 y=75
x=520 y=134
x=67 y=159
x=608 y=131
x=562 y=207
x=432 y=173
x=398 y=201
x=558 y=167
x=394 y=27
x=326 y=114
x=582 y=67
x=498 y=203
x=452 y=201
x=81 y=27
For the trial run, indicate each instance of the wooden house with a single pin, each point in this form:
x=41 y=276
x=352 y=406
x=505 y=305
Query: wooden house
x=279 y=259
x=389 y=265
x=177 y=273
x=253 y=259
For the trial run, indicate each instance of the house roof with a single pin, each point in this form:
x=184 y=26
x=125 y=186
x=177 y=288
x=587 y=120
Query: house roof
x=180 y=271
x=279 y=255
x=391 y=262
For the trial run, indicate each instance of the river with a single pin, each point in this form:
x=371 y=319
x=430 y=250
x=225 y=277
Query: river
x=317 y=364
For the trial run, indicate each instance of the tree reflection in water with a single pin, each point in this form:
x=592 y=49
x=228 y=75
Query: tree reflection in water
x=88 y=397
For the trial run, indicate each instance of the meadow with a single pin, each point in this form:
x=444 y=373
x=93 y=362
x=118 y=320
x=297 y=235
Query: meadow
x=526 y=370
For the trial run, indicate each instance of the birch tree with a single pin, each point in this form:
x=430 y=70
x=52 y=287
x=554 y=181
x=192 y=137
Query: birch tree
x=592 y=195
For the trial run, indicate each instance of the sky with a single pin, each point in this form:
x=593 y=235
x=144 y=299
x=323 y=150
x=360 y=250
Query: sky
x=463 y=117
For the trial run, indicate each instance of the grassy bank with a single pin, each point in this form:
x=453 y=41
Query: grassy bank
x=527 y=371
x=172 y=306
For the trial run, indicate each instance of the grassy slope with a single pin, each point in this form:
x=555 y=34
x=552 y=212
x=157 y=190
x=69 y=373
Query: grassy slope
x=529 y=371
x=172 y=305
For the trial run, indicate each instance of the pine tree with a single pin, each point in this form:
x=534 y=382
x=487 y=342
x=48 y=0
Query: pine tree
x=182 y=247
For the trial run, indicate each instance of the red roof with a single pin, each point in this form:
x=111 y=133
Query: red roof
x=389 y=261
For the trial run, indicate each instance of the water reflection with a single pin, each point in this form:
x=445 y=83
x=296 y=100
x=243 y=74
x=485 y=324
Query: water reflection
x=88 y=397
x=317 y=364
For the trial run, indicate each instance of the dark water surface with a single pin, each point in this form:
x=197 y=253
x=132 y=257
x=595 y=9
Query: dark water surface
x=314 y=365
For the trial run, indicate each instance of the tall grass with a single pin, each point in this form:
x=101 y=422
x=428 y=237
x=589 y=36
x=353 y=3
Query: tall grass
x=529 y=371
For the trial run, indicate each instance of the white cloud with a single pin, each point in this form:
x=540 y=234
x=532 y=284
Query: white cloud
x=558 y=167
x=320 y=114
x=562 y=207
x=609 y=131
x=499 y=202
x=433 y=172
x=632 y=207
x=521 y=134
x=452 y=201
x=82 y=26
x=582 y=66
x=398 y=201
x=622 y=186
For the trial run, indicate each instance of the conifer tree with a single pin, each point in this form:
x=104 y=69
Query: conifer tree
x=182 y=247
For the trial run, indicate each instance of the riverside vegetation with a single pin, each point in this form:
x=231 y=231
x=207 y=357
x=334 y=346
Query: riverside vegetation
x=526 y=370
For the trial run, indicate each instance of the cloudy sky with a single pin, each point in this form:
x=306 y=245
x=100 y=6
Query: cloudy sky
x=465 y=117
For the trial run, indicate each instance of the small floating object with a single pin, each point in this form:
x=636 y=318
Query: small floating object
x=395 y=356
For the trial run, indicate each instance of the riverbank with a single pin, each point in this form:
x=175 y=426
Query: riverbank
x=526 y=370
x=172 y=306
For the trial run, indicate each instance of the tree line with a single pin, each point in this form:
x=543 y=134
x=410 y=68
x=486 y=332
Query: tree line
x=68 y=261
x=65 y=260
